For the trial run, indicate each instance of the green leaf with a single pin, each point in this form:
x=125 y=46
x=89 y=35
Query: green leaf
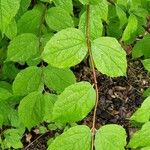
x=76 y=138
x=147 y=92
x=15 y=122
x=30 y=22
x=32 y=109
x=74 y=103
x=66 y=5
x=121 y=15
x=1 y=120
x=58 y=79
x=131 y=29
x=66 y=48
x=13 y=138
x=58 y=19
x=27 y=81
x=146 y=64
x=24 y=4
x=109 y=57
x=141 y=138
x=96 y=27
x=6 y=85
x=8 y=10
x=101 y=9
x=9 y=71
x=50 y=99
x=5 y=110
x=4 y=94
x=110 y=137
x=11 y=30
x=142 y=47
x=114 y=28
x=93 y=2
x=142 y=115
x=23 y=47
x=146 y=148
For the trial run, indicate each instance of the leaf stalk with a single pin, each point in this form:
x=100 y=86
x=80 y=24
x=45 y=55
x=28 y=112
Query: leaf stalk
x=93 y=71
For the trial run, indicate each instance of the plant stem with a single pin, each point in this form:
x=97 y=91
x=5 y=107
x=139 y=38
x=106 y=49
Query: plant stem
x=94 y=73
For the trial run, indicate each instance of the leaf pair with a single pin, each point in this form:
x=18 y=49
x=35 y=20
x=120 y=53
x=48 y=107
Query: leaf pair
x=68 y=48
x=72 y=105
x=33 y=78
x=110 y=137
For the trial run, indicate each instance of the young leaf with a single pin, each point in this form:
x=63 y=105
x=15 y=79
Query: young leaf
x=22 y=47
x=8 y=10
x=110 y=137
x=76 y=138
x=13 y=138
x=66 y=48
x=30 y=22
x=131 y=29
x=74 y=103
x=96 y=27
x=58 y=19
x=109 y=57
x=50 y=99
x=142 y=47
x=141 y=138
x=27 y=81
x=142 y=115
x=58 y=79
x=66 y=5
x=146 y=64
x=31 y=109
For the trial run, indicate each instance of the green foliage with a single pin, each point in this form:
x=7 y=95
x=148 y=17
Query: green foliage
x=27 y=81
x=23 y=47
x=66 y=5
x=31 y=109
x=141 y=48
x=58 y=79
x=142 y=115
x=146 y=64
x=66 y=48
x=74 y=103
x=12 y=139
x=131 y=28
x=110 y=137
x=41 y=42
x=93 y=2
x=95 y=23
x=58 y=19
x=30 y=22
x=108 y=54
x=8 y=10
x=141 y=138
x=78 y=137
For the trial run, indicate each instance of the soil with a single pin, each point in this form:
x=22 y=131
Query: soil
x=118 y=99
